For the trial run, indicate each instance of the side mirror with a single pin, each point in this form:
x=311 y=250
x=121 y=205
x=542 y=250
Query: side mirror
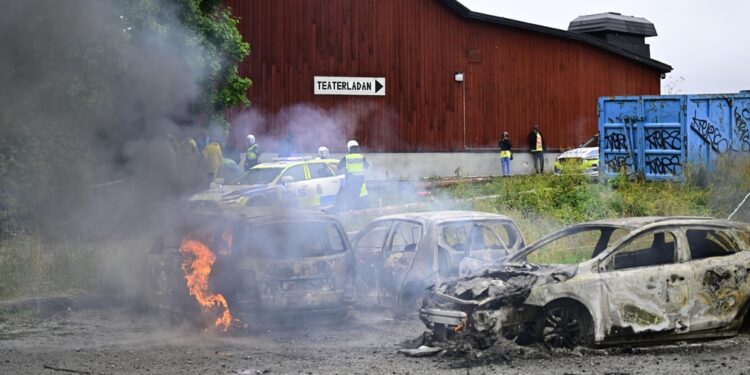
x=287 y=179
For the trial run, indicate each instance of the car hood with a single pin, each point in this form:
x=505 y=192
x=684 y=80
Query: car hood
x=583 y=153
x=501 y=285
x=229 y=193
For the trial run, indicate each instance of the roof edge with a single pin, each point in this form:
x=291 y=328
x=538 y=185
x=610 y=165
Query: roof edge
x=467 y=13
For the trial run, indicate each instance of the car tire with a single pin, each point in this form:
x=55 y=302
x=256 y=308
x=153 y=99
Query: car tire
x=565 y=325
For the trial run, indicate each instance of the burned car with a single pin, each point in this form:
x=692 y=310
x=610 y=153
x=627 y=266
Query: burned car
x=611 y=281
x=254 y=265
x=399 y=256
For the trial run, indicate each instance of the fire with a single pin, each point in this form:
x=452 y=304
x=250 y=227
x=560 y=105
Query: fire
x=197 y=271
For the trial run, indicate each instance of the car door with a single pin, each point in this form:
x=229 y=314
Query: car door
x=646 y=282
x=298 y=190
x=368 y=250
x=398 y=254
x=325 y=182
x=719 y=281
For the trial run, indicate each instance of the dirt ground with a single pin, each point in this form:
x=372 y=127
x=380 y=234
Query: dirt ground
x=118 y=341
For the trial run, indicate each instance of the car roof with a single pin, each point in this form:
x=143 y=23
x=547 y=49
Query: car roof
x=639 y=221
x=292 y=162
x=258 y=215
x=444 y=216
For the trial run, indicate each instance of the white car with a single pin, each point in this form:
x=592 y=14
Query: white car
x=299 y=182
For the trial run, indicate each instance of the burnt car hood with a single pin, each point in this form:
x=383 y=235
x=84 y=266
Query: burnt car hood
x=501 y=285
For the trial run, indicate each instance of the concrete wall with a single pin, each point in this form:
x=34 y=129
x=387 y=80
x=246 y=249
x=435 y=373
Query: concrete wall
x=420 y=165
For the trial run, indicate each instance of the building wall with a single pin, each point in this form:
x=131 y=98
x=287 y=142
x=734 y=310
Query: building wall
x=513 y=78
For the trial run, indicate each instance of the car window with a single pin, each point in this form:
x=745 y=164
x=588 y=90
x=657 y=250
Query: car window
x=259 y=176
x=707 y=243
x=374 y=238
x=335 y=239
x=320 y=170
x=474 y=235
x=284 y=241
x=334 y=167
x=646 y=250
x=297 y=172
x=405 y=237
x=574 y=248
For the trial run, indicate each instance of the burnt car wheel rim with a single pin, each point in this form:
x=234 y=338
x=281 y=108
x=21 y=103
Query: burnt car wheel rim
x=562 y=328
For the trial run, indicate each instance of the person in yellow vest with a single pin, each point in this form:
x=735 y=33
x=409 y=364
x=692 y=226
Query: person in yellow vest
x=354 y=164
x=214 y=159
x=253 y=152
x=536 y=143
x=505 y=154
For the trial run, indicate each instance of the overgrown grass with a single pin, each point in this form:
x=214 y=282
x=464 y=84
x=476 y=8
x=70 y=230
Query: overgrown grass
x=32 y=267
x=543 y=203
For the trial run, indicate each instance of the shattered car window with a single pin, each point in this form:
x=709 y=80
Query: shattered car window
x=707 y=243
x=375 y=238
x=574 y=248
x=405 y=237
x=260 y=176
x=463 y=236
x=648 y=249
x=291 y=240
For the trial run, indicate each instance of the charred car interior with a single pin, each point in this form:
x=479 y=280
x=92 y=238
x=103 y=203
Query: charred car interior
x=256 y=265
x=399 y=256
x=606 y=282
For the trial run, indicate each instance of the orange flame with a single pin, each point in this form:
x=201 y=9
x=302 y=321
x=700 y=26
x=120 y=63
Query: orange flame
x=197 y=271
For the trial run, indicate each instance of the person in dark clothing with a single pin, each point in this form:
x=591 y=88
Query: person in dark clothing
x=536 y=144
x=505 y=154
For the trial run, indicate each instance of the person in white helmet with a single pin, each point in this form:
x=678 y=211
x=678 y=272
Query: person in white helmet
x=253 y=152
x=323 y=153
x=353 y=188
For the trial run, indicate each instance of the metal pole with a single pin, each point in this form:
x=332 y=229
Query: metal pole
x=738 y=207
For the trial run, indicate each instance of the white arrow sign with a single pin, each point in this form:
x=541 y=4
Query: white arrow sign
x=372 y=86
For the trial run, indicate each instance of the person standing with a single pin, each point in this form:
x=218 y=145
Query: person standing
x=253 y=152
x=536 y=143
x=505 y=154
x=354 y=164
x=214 y=158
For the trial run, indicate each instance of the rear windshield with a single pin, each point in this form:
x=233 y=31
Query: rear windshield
x=260 y=176
x=292 y=240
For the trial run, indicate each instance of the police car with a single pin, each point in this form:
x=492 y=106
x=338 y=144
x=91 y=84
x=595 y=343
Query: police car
x=297 y=182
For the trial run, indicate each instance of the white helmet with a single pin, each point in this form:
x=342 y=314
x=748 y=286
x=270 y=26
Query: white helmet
x=351 y=144
x=323 y=152
x=250 y=139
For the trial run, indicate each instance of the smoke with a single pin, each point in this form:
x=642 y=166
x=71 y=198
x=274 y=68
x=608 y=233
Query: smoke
x=305 y=126
x=90 y=102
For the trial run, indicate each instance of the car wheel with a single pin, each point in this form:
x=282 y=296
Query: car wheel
x=564 y=325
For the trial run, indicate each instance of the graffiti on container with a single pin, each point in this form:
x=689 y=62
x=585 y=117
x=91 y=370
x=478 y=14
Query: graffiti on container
x=615 y=163
x=740 y=129
x=718 y=141
x=667 y=164
x=664 y=139
x=616 y=141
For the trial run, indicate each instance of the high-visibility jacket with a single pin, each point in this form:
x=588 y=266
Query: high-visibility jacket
x=252 y=152
x=213 y=156
x=355 y=164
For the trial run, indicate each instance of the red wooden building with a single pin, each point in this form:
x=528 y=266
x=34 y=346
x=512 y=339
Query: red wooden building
x=516 y=74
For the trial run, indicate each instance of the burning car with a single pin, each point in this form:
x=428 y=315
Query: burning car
x=605 y=282
x=399 y=256
x=295 y=181
x=254 y=265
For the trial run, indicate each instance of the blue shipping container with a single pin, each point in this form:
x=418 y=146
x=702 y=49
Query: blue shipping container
x=657 y=135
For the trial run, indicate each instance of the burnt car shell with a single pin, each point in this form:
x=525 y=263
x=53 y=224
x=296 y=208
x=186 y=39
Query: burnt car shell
x=621 y=292
x=277 y=264
x=399 y=256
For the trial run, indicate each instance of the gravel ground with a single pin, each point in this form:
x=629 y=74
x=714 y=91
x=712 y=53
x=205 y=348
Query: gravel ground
x=116 y=341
